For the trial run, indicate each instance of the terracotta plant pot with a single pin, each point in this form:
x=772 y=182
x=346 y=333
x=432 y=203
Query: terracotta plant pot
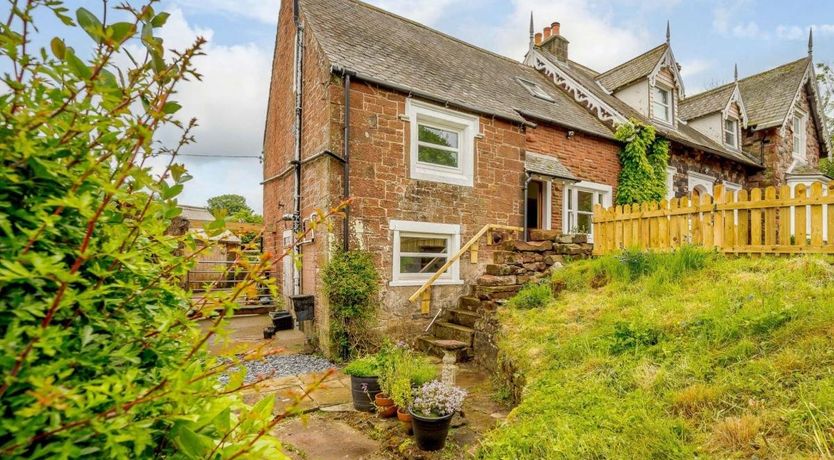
x=363 y=390
x=384 y=405
x=406 y=419
x=431 y=432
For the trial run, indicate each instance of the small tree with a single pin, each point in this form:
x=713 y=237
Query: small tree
x=643 y=160
x=101 y=355
x=231 y=203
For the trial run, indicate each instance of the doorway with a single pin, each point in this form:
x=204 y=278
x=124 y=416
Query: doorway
x=538 y=205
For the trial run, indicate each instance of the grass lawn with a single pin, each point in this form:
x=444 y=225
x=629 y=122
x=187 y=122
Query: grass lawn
x=675 y=356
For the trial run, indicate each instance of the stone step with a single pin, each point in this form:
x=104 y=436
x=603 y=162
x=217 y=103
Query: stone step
x=469 y=303
x=492 y=280
x=462 y=317
x=439 y=347
x=495 y=292
x=449 y=331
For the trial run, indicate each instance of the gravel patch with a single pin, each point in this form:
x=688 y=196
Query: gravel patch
x=274 y=366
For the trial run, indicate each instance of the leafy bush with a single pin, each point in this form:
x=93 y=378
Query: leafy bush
x=401 y=371
x=827 y=167
x=536 y=295
x=643 y=159
x=726 y=358
x=366 y=366
x=101 y=353
x=351 y=284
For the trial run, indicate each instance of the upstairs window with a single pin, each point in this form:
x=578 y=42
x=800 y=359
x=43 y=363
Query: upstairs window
x=535 y=90
x=799 y=136
x=731 y=132
x=662 y=104
x=442 y=144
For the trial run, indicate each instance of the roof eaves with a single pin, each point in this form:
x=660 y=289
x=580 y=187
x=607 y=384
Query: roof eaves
x=530 y=115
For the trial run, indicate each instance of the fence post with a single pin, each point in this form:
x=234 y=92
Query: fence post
x=718 y=229
x=743 y=238
x=830 y=210
x=770 y=217
x=755 y=218
x=785 y=216
x=801 y=216
x=706 y=217
x=816 y=215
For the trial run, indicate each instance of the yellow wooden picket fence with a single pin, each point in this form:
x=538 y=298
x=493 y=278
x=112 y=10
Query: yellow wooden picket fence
x=769 y=221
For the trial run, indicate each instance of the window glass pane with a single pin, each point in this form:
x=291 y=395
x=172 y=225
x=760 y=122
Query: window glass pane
x=437 y=156
x=427 y=265
x=415 y=244
x=585 y=201
x=437 y=136
x=584 y=223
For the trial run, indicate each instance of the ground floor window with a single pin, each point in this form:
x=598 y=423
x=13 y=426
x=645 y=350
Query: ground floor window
x=421 y=249
x=578 y=209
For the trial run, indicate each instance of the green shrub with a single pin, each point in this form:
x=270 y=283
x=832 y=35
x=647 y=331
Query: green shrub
x=366 y=366
x=401 y=371
x=643 y=159
x=351 y=284
x=534 y=295
x=102 y=354
x=827 y=167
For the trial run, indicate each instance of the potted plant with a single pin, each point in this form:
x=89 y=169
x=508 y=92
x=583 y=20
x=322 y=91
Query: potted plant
x=434 y=405
x=400 y=373
x=364 y=382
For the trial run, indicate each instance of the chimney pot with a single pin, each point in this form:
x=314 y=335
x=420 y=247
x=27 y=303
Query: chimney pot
x=539 y=38
x=555 y=28
x=546 y=32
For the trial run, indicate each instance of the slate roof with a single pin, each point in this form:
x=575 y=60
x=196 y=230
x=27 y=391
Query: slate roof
x=547 y=166
x=398 y=53
x=768 y=95
x=632 y=70
x=682 y=134
x=714 y=100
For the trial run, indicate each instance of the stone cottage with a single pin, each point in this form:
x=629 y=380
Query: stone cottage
x=434 y=138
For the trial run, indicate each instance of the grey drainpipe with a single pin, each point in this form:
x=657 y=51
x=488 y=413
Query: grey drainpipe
x=527 y=179
x=299 y=65
x=346 y=165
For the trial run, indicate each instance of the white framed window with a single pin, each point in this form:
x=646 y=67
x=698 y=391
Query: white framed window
x=535 y=89
x=731 y=132
x=670 y=181
x=662 y=104
x=442 y=146
x=799 y=120
x=700 y=183
x=422 y=248
x=578 y=206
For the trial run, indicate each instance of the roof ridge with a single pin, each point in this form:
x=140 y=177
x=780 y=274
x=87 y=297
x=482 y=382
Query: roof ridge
x=708 y=92
x=805 y=58
x=611 y=70
x=443 y=34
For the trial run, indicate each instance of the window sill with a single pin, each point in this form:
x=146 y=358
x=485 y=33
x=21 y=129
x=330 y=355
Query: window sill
x=441 y=177
x=417 y=283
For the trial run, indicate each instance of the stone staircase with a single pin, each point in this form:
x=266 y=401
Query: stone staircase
x=468 y=329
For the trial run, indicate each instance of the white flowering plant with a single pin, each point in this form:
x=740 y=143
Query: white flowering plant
x=437 y=399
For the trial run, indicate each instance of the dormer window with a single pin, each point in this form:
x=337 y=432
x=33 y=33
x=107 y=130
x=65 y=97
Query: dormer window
x=535 y=90
x=799 y=120
x=662 y=104
x=731 y=132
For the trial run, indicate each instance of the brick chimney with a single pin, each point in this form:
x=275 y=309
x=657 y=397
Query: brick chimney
x=553 y=42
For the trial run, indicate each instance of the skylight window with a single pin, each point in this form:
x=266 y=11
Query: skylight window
x=535 y=90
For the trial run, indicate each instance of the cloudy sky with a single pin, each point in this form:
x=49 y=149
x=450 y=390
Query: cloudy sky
x=708 y=37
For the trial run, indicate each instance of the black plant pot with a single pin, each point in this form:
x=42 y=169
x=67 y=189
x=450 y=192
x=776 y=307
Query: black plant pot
x=364 y=390
x=430 y=432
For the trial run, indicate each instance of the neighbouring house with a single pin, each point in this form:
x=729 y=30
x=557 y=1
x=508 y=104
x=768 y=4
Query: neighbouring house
x=434 y=138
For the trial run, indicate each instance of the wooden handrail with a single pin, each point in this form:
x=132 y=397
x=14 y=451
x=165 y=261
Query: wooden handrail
x=458 y=255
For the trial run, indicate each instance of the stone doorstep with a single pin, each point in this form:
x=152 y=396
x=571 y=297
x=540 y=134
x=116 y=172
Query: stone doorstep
x=469 y=303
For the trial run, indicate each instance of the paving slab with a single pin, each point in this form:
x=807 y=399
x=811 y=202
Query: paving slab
x=324 y=439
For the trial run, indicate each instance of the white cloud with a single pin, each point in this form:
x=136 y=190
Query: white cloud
x=422 y=12
x=582 y=23
x=786 y=32
x=692 y=67
x=750 y=29
x=230 y=106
